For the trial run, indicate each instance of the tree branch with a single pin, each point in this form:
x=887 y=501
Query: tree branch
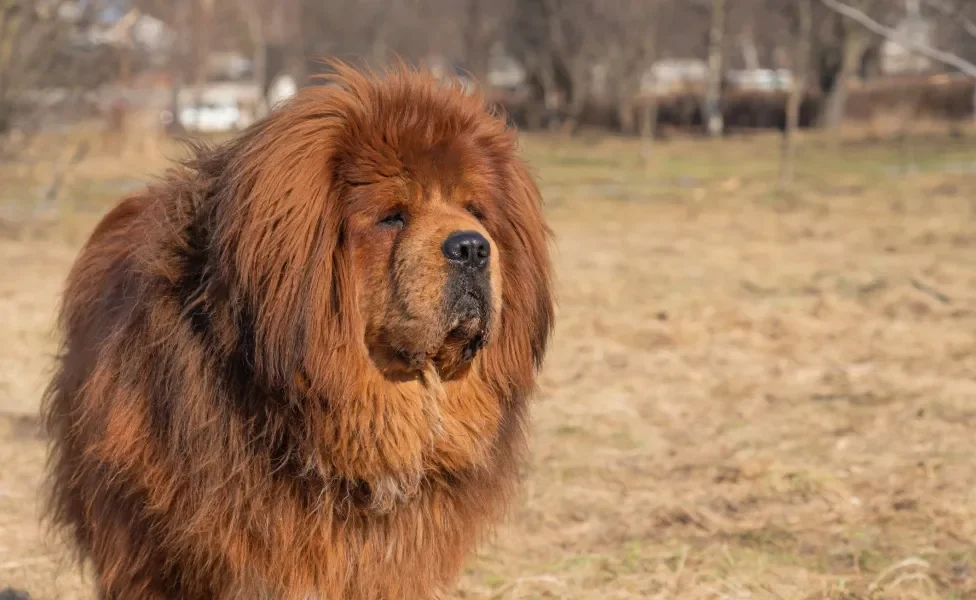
x=954 y=12
x=874 y=26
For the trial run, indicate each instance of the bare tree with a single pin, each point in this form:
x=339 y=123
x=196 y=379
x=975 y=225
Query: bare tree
x=579 y=51
x=860 y=18
x=271 y=26
x=46 y=67
x=759 y=31
x=254 y=17
x=574 y=29
x=716 y=55
x=530 y=41
x=481 y=26
x=750 y=50
x=872 y=25
x=31 y=34
x=376 y=30
x=802 y=16
x=631 y=49
x=960 y=12
x=852 y=42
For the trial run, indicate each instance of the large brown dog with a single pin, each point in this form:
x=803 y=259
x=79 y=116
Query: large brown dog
x=297 y=367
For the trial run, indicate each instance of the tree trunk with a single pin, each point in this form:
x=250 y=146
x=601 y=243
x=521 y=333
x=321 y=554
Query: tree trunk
x=801 y=68
x=855 y=45
x=125 y=64
x=550 y=95
x=974 y=100
x=297 y=50
x=625 y=113
x=279 y=40
x=12 y=27
x=183 y=73
x=535 y=108
x=477 y=43
x=259 y=64
x=176 y=85
x=7 y=105
x=788 y=149
x=648 y=124
x=260 y=72
x=750 y=52
x=713 y=95
x=379 y=47
x=579 y=94
x=202 y=28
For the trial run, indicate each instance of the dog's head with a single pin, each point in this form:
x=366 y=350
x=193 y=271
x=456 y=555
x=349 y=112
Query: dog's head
x=390 y=218
x=427 y=267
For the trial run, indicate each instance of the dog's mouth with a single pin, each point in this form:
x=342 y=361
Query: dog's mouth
x=468 y=316
x=450 y=347
x=468 y=327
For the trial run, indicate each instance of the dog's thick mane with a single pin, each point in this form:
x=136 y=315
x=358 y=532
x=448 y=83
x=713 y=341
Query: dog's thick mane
x=214 y=405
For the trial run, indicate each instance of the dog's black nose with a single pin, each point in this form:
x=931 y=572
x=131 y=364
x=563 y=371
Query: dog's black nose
x=468 y=249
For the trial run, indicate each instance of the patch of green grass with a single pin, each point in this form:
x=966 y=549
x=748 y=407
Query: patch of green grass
x=622 y=439
x=632 y=558
x=822 y=166
x=573 y=562
x=568 y=430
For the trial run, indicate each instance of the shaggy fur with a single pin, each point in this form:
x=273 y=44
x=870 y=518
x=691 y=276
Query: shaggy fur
x=266 y=387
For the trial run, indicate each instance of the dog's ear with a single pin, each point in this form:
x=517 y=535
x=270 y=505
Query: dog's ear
x=277 y=225
x=534 y=236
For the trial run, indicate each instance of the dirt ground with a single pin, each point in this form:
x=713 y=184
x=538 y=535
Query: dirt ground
x=751 y=393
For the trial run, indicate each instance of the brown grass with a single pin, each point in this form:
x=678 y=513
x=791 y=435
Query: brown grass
x=751 y=393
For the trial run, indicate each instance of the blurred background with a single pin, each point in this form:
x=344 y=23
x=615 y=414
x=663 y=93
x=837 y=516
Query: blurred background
x=762 y=382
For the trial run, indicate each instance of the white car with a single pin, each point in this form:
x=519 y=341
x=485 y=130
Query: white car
x=211 y=118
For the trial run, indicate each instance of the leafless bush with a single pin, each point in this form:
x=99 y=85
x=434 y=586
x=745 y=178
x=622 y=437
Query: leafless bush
x=46 y=70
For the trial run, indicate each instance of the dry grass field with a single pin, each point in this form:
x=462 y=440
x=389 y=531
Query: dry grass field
x=751 y=394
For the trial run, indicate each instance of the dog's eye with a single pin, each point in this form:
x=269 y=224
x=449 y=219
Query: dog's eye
x=477 y=214
x=394 y=220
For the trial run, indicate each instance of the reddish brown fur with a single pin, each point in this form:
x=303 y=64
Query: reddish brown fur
x=255 y=397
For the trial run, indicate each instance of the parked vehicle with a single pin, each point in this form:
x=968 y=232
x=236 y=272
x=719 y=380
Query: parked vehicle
x=212 y=117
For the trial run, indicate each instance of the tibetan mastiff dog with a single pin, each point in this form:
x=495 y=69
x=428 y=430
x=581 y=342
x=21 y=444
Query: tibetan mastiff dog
x=297 y=366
